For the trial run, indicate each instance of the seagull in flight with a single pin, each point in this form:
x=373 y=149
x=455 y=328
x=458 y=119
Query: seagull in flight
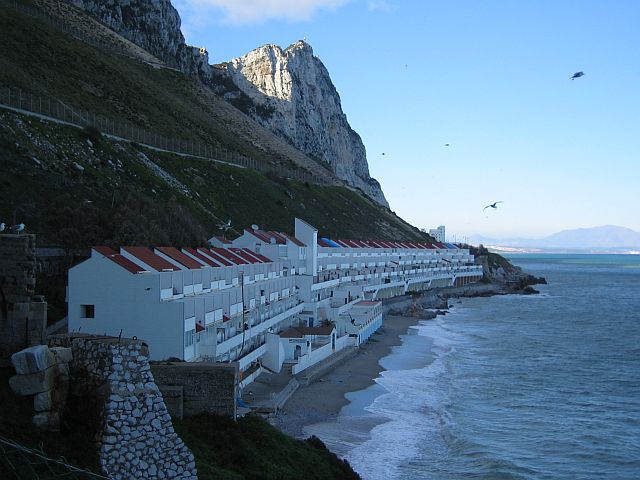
x=447 y=144
x=225 y=226
x=493 y=205
x=577 y=75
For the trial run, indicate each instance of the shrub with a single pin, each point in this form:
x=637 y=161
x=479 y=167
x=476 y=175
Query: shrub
x=92 y=133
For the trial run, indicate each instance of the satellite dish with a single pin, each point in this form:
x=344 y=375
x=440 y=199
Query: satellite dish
x=255 y=227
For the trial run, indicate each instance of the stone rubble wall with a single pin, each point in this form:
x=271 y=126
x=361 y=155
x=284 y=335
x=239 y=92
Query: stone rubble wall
x=205 y=387
x=43 y=373
x=137 y=439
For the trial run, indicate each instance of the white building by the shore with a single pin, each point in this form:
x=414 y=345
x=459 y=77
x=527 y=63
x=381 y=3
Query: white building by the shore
x=266 y=300
x=438 y=233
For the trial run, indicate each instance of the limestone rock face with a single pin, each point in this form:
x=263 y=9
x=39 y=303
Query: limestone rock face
x=153 y=25
x=297 y=100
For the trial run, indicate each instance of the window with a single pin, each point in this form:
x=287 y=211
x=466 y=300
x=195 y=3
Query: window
x=189 y=338
x=87 y=311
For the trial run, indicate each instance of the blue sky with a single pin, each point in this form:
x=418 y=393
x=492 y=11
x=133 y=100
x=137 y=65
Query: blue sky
x=491 y=78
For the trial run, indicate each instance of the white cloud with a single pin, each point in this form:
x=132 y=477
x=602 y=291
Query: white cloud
x=255 y=11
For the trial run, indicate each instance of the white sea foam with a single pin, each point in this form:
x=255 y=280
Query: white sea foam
x=405 y=420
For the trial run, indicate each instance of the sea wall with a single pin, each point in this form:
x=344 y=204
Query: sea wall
x=136 y=438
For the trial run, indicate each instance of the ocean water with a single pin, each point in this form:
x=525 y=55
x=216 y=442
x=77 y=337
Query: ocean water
x=510 y=387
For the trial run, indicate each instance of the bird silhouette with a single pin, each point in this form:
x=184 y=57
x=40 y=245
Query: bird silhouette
x=225 y=226
x=493 y=205
x=383 y=153
x=577 y=75
x=447 y=145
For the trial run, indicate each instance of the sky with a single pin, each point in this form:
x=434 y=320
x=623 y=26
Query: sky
x=491 y=78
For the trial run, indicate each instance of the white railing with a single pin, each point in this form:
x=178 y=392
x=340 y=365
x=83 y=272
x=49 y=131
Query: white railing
x=311 y=358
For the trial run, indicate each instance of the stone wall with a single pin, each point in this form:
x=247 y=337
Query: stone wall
x=43 y=374
x=23 y=316
x=206 y=387
x=136 y=438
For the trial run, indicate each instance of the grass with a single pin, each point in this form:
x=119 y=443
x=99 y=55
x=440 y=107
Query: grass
x=162 y=100
x=251 y=449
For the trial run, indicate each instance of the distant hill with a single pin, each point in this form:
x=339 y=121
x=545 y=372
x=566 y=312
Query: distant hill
x=606 y=237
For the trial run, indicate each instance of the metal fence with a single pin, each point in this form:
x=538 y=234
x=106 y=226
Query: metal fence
x=18 y=462
x=55 y=109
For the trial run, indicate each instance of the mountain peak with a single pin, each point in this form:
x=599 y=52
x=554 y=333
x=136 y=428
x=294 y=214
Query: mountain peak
x=301 y=104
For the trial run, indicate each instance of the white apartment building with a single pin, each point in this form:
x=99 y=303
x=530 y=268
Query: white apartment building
x=438 y=233
x=265 y=300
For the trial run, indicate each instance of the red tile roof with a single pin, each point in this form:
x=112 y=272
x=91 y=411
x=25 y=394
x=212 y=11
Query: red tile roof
x=148 y=257
x=201 y=257
x=180 y=257
x=319 y=330
x=242 y=254
x=291 y=333
x=119 y=259
x=294 y=240
x=226 y=253
x=257 y=256
x=215 y=257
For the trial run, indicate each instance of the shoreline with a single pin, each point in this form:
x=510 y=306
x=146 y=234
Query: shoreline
x=323 y=399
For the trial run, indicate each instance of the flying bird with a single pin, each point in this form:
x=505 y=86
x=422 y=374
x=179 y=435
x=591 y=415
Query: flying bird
x=447 y=144
x=577 y=75
x=225 y=226
x=383 y=153
x=18 y=228
x=493 y=205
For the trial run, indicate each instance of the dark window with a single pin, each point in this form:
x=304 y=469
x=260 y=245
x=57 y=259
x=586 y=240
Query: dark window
x=87 y=311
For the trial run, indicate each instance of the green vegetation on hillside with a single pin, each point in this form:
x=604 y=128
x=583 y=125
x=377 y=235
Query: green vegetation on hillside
x=76 y=193
x=251 y=449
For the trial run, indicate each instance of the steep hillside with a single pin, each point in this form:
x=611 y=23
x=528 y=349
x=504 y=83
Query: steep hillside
x=287 y=91
x=131 y=92
x=299 y=102
x=78 y=189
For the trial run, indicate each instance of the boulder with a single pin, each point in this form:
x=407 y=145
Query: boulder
x=32 y=359
x=33 y=383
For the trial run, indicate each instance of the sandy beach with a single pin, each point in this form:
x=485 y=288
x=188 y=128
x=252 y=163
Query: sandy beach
x=323 y=399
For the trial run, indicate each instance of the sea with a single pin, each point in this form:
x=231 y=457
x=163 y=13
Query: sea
x=543 y=386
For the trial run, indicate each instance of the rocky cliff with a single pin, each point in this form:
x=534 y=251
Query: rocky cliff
x=297 y=100
x=153 y=25
x=286 y=91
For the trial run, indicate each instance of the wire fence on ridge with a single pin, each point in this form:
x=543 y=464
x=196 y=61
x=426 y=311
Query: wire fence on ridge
x=55 y=109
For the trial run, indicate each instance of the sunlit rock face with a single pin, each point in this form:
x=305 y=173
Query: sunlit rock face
x=298 y=102
x=153 y=25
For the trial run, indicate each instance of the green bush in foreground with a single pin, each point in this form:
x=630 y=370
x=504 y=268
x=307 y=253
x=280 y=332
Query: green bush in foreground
x=252 y=449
